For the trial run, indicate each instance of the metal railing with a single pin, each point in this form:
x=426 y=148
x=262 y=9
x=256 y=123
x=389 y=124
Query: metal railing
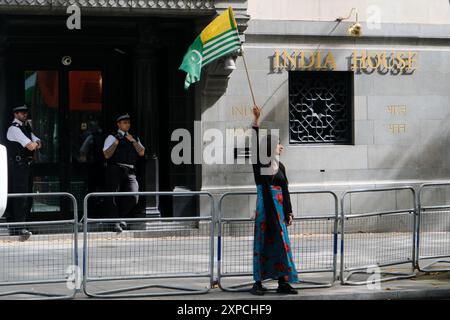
x=158 y=253
x=365 y=249
x=433 y=231
x=313 y=241
x=49 y=257
x=160 y=250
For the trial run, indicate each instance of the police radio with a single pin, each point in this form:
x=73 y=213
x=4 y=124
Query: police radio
x=119 y=136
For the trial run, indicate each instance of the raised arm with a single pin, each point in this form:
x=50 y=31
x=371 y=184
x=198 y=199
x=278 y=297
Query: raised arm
x=255 y=144
x=256 y=115
x=136 y=144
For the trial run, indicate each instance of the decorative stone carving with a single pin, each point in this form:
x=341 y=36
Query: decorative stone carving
x=216 y=78
x=179 y=6
x=130 y=4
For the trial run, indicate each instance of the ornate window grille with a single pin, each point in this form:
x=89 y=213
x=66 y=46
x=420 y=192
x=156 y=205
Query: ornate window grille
x=320 y=107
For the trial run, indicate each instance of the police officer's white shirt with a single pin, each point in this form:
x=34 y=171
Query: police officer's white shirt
x=110 y=140
x=14 y=134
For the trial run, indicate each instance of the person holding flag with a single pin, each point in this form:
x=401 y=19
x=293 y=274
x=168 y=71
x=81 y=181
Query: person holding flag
x=272 y=250
x=272 y=258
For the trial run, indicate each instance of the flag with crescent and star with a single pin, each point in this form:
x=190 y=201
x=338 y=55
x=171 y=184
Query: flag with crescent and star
x=218 y=39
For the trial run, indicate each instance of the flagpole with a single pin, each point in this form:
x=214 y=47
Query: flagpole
x=248 y=77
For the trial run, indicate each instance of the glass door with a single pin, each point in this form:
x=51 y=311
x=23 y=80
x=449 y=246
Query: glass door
x=42 y=97
x=85 y=132
x=66 y=114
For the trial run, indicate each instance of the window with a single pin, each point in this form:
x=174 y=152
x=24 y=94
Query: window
x=42 y=97
x=320 y=107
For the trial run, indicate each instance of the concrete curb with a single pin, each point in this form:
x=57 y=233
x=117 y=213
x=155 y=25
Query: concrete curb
x=421 y=294
x=392 y=295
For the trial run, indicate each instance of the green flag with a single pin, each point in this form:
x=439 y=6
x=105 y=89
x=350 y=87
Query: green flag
x=218 y=39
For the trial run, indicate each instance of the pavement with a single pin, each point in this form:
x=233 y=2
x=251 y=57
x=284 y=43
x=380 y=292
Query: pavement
x=110 y=258
x=423 y=286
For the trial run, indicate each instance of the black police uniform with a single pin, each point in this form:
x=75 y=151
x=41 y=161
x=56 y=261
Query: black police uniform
x=20 y=162
x=121 y=177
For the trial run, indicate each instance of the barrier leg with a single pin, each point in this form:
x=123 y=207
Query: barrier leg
x=429 y=267
x=391 y=276
x=118 y=293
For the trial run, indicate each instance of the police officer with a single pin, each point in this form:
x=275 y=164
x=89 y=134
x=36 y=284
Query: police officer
x=21 y=144
x=122 y=150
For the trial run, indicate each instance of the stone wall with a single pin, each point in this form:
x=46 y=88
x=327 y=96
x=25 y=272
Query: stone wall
x=379 y=157
x=399 y=11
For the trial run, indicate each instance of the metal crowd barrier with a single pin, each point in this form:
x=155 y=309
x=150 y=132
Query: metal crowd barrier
x=313 y=240
x=365 y=249
x=48 y=257
x=433 y=231
x=159 y=253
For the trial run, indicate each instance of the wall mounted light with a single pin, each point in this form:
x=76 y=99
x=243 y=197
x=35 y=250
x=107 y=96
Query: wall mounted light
x=355 y=30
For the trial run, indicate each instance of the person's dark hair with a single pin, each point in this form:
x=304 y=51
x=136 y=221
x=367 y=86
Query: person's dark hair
x=268 y=145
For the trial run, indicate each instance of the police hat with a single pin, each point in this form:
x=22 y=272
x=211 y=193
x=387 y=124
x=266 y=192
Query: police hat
x=123 y=117
x=22 y=108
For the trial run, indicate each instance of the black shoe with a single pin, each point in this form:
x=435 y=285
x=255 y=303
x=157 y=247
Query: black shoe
x=123 y=225
x=25 y=234
x=285 y=288
x=19 y=232
x=117 y=228
x=258 y=290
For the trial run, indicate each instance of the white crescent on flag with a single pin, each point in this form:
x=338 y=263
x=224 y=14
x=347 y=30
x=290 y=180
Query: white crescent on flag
x=196 y=52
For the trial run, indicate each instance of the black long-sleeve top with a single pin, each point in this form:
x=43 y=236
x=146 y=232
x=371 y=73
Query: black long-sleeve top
x=278 y=179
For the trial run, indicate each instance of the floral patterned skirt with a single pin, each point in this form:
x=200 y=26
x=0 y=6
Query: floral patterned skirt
x=272 y=255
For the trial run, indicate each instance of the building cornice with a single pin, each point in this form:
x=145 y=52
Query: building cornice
x=128 y=7
x=112 y=4
x=332 y=29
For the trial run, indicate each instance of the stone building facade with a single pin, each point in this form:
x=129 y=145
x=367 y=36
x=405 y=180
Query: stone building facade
x=352 y=112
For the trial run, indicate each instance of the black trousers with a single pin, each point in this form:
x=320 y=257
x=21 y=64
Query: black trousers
x=120 y=179
x=21 y=181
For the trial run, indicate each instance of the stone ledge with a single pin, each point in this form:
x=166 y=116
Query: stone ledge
x=322 y=29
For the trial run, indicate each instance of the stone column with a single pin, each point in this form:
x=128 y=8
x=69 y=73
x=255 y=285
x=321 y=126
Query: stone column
x=146 y=112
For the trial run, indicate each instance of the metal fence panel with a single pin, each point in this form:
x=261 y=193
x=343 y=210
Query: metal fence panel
x=433 y=240
x=313 y=240
x=372 y=240
x=157 y=254
x=34 y=267
x=162 y=253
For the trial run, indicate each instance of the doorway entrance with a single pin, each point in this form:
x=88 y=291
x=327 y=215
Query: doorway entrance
x=71 y=131
x=69 y=97
x=77 y=82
